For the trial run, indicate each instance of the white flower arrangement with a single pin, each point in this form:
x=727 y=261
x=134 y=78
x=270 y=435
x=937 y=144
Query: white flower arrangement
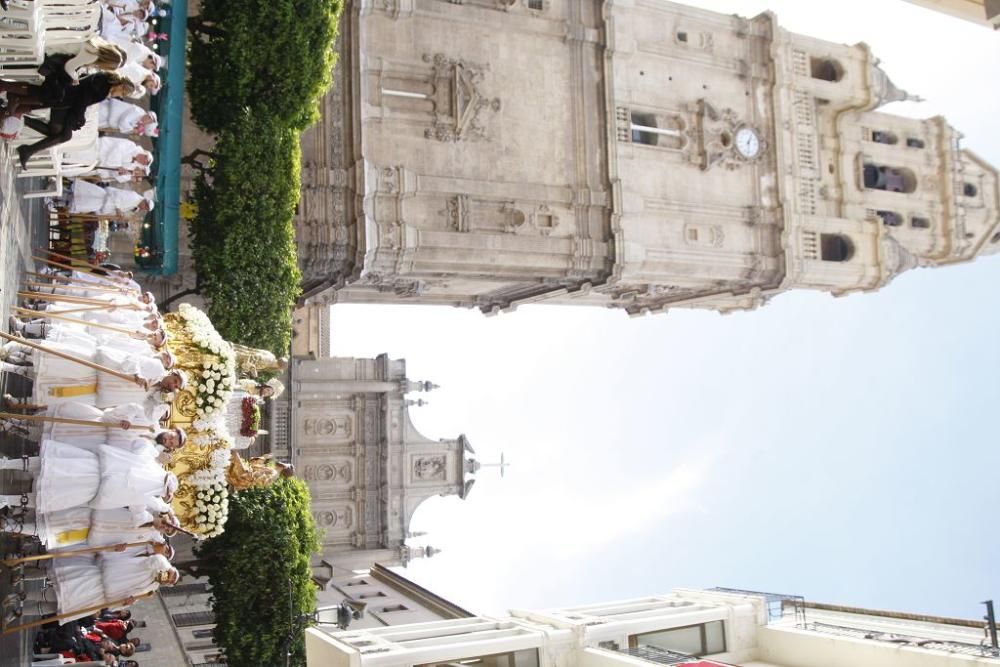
x=213 y=386
x=212 y=508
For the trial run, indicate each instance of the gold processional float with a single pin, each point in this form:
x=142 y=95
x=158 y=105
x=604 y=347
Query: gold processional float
x=216 y=409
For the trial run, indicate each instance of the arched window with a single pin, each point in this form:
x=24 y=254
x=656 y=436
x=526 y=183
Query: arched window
x=884 y=137
x=890 y=218
x=970 y=190
x=890 y=179
x=835 y=248
x=826 y=69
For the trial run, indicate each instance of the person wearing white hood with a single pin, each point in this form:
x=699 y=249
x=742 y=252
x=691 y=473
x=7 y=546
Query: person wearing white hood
x=145 y=81
x=91 y=198
x=141 y=54
x=126 y=118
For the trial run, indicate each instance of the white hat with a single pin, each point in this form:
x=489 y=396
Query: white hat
x=150 y=196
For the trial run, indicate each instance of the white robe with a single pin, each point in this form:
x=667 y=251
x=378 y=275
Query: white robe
x=58 y=380
x=127 y=479
x=137 y=52
x=136 y=73
x=69 y=477
x=90 y=437
x=78 y=584
x=125 y=575
x=112 y=391
x=118 y=115
x=121 y=526
x=64 y=529
x=90 y=198
x=115 y=152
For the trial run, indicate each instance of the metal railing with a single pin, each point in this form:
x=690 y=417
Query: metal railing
x=949 y=646
x=658 y=655
x=776 y=603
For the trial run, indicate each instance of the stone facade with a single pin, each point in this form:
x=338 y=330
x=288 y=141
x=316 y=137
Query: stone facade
x=983 y=12
x=634 y=154
x=345 y=424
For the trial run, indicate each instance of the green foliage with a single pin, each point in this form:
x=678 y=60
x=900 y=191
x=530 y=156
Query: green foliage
x=269 y=56
x=243 y=237
x=260 y=575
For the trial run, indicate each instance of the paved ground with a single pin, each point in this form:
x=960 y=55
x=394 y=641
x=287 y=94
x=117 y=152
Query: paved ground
x=21 y=229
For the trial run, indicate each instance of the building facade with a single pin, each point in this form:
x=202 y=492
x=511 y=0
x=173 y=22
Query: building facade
x=633 y=154
x=710 y=628
x=983 y=12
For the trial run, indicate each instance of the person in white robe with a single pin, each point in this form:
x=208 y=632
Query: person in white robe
x=82 y=584
x=66 y=476
x=57 y=379
x=144 y=80
x=139 y=53
x=118 y=152
x=110 y=201
x=126 y=118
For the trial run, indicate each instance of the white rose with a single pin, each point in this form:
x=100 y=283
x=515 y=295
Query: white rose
x=205 y=374
x=200 y=401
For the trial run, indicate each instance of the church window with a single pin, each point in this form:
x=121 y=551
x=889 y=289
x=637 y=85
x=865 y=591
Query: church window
x=649 y=129
x=682 y=36
x=918 y=222
x=697 y=640
x=835 y=248
x=523 y=658
x=889 y=179
x=536 y=5
x=890 y=218
x=826 y=69
x=883 y=137
x=970 y=190
x=913 y=142
x=692 y=233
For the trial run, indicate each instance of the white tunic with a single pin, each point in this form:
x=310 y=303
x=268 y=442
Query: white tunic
x=57 y=379
x=64 y=529
x=90 y=437
x=69 y=477
x=90 y=198
x=121 y=526
x=136 y=73
x=118 y=115
x=127 y=479
x=125 y=575
x=78 y=585
x=115 y=152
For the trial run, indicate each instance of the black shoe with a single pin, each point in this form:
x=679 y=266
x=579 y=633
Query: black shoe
x=23 y=154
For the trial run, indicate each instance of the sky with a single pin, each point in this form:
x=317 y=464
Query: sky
x=842 y=449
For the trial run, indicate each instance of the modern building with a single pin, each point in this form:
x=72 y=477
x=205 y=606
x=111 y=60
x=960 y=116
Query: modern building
x=633 y=154
x=687 y=627
x=983 y=12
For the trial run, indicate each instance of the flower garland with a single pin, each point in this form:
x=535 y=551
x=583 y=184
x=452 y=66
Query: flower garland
x=213 y=381
x=251 y=417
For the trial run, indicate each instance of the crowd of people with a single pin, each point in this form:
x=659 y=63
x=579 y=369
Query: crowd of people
x=90 y=351
x=115 y=70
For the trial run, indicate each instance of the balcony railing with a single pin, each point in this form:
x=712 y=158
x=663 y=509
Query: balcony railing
x=965 y=648
x=776 y=603
x=658 y=655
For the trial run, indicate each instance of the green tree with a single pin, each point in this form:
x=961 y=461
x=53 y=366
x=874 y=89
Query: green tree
x=268 y=56
x=243 y=236
x=259 y=570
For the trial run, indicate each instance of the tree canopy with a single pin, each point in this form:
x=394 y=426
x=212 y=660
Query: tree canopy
x=243 y=237
x=268 y=56
x=259 y=570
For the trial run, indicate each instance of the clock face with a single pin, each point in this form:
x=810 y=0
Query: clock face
x=747 y=142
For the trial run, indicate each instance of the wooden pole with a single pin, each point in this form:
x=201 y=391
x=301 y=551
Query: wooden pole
x=83 y=300
x=76 y=320
x=12 y=562
x=71 y=614
x=76 y=286
x=69 y=267
x=68 y=420
x=71 y=281
x=86 y=309
x=70 y=357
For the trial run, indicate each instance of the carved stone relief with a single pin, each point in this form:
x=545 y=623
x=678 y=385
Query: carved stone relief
x=341 y=518
x=338 y=470
x=429 y=468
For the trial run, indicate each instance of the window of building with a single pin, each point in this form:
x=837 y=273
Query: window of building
x=826 y=69
x=184 y=589
x=918 y=222
x=376 y=594
x=702 y=639
x=970 y=190
x=835 y=248
x=913 y=142
x=889 y=179
x=664 y=130
x=194 y=618
x=537 y=5
x=883 y=137
x=357 y=582
x=890 y=218
x=523 y=658
x=644 y=130
x=682 y=36
x=398 y=607
x=204 y=633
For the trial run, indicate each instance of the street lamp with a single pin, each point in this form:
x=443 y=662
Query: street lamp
x=340 y=615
